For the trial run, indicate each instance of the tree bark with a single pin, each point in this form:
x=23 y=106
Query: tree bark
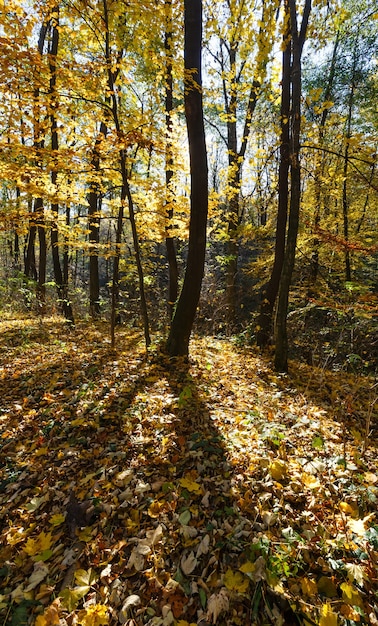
x=169 y=239
x=94 y=210
x=270 y=292
x=183 y=319
x=125 y=195
x=298 y=39
x=61 y=285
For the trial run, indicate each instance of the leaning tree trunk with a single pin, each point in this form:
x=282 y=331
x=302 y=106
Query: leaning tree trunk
x=182 y=323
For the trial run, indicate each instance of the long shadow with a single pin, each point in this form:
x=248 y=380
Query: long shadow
x=143 y=450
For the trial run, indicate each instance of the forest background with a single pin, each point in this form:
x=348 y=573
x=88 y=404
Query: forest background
x=148 y=150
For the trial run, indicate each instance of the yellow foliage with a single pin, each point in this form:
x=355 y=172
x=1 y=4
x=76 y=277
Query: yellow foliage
x=327 y=616
x=278 y=470
x=38 y=545
x=235 y=581
x=95 y=615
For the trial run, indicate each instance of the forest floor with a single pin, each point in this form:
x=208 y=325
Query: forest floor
x=141 y=490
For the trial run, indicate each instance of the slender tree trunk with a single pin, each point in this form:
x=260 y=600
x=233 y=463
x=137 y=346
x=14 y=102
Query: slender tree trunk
x=183 y=319
x=298 y=39
x=94 y=215
x=348 y=135
x=270 y=292
x=61 y=286
x=36 y=226
x=169 y=239
x=319 y=167
x=125 y=195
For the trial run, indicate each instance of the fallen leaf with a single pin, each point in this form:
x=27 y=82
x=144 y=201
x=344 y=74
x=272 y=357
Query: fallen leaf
x=235 y=581
x=188 y=563
x=218 y=603
x=327 y=616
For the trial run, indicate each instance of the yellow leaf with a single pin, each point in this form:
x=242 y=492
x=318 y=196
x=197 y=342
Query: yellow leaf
x=154 y=509
x=41 y=451
x=351 y=595
x=40 y=544
x=278 y=470
x=309 y=587
x=84 y=577
x=310 y=481
x=190 y=485
x=57 y=519
x=95 y=615
x=247 y=568
x=85 y=534
x=327 y=616
x=235 y=581
x=346 y=508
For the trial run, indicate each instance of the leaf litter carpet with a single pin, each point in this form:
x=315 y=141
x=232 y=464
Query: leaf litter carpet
x=136 y=489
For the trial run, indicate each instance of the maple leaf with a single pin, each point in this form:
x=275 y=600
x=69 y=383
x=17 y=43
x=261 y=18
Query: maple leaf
x=278 y=470
x=309 y=587
x=39 y=548
x=235 y=581
x=218 y=603
x=94 y=615
x=351 y=595
x=191 y=485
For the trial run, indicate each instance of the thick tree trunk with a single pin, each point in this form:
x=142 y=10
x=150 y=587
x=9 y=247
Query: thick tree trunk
x=183 y=319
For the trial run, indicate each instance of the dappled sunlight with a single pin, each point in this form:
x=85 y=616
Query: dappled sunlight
x=170 y=491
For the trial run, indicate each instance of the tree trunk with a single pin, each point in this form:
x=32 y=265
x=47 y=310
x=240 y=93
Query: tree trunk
x=270 y=292
x=298 y=39
x=125 y=194
x=319 y=167
x=61 y=286
x=169 y=239
x=94 y=210
x=183 y=319
x=348 y=134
